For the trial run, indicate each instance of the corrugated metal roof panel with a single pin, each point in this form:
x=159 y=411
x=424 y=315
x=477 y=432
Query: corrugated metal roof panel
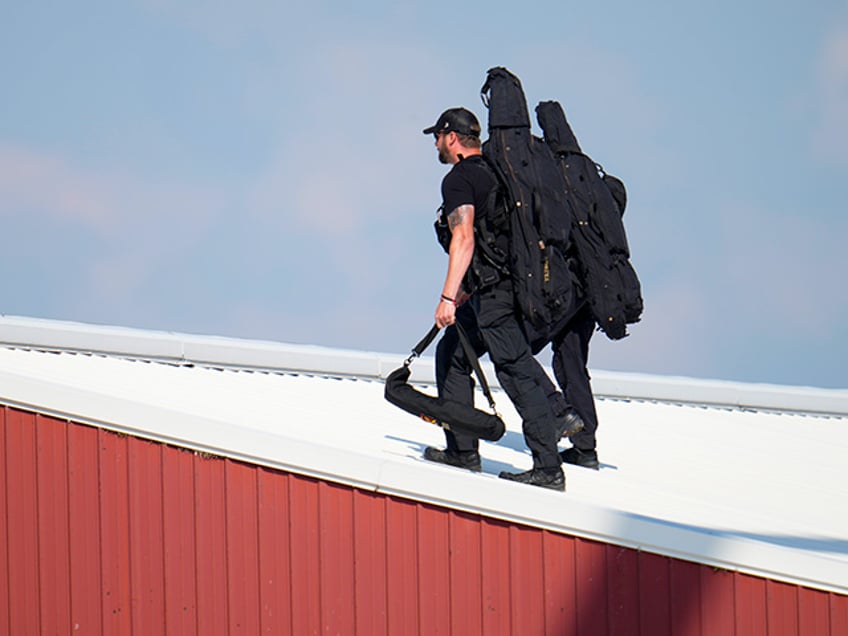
x=718 y=485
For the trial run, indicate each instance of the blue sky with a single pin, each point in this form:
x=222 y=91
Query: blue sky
x=258 y=170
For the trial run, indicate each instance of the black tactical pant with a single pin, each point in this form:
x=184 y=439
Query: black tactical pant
x=571 y=354
x=492 y=327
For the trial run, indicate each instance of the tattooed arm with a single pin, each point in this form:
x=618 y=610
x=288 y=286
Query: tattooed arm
x=461 y=223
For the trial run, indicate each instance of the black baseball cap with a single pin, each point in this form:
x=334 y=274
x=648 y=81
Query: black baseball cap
x=458 y=120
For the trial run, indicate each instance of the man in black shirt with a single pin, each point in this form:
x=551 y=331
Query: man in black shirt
x=477 y=266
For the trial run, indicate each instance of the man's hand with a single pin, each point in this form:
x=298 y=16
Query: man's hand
x=445 y=314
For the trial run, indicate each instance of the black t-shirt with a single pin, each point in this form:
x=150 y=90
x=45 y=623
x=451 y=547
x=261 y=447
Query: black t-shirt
x=468 y=183
x=472 y=182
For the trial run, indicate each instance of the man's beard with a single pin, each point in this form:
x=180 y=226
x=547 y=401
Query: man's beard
x=444 y=157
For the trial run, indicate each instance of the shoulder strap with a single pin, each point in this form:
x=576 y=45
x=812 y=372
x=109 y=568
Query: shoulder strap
x=469 y=353
x=475 y=364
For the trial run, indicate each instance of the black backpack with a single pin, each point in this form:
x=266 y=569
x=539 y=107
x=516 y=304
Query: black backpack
x=540 y=216
x=566 y=217
x=599 y=238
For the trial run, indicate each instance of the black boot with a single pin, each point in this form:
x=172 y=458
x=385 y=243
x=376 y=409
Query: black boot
x=469 y=460
x=569 y=423
x=552 y=478
x=584 y=458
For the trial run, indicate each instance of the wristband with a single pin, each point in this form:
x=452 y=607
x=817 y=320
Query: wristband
x=448 y=299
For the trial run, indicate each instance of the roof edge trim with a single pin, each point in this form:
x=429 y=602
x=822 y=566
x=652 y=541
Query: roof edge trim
x=219 y=351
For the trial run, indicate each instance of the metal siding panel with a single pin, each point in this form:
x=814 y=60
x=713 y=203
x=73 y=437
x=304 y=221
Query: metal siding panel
x=813 y=612
x=84 y=530
x=434 y=570
x=466 y=598
x=402 y=567
x=241 y=546
x=781 y=608
x=147 y=554
x=242 y=533
x=336 y=562
x=53 y=532
x=274 y=549
x=22 y=514
x=494 y=547
x=750 y=604
x=592 y=590
x=718 y=611
x=685 y=601
x=180 y=557
x=654 y=595
x=527 y=592
x=5 y=626
x=560 y=589
x=623 y=590
x=838 y=614
x=94 y=520
x=114 y=533
x=369 y=537
x=305 y=556
x=211 y=545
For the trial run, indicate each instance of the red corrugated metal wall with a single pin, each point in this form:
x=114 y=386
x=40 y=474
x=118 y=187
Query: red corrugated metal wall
x=105 y=534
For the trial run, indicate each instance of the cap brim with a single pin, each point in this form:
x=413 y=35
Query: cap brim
x=430 y=130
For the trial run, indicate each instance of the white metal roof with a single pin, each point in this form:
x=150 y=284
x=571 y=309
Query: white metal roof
x=745 y=477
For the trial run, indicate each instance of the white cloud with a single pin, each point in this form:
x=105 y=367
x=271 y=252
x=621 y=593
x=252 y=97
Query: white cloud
x=106 y=201
x=47 y=184
x=782 y=274
x=831 y=135
x=133 y=225
x=351 y=152
x=604 y=95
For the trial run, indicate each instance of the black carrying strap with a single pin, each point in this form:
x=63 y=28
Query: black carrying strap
x=418 y=349
x=470 y=354
x=459 y=417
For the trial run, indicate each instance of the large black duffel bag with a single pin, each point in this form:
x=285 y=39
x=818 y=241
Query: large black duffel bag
x=449 y=414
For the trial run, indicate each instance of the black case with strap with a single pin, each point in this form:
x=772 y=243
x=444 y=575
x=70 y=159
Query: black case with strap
x=599 y=238
x=540 y=214
x=449 y=414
